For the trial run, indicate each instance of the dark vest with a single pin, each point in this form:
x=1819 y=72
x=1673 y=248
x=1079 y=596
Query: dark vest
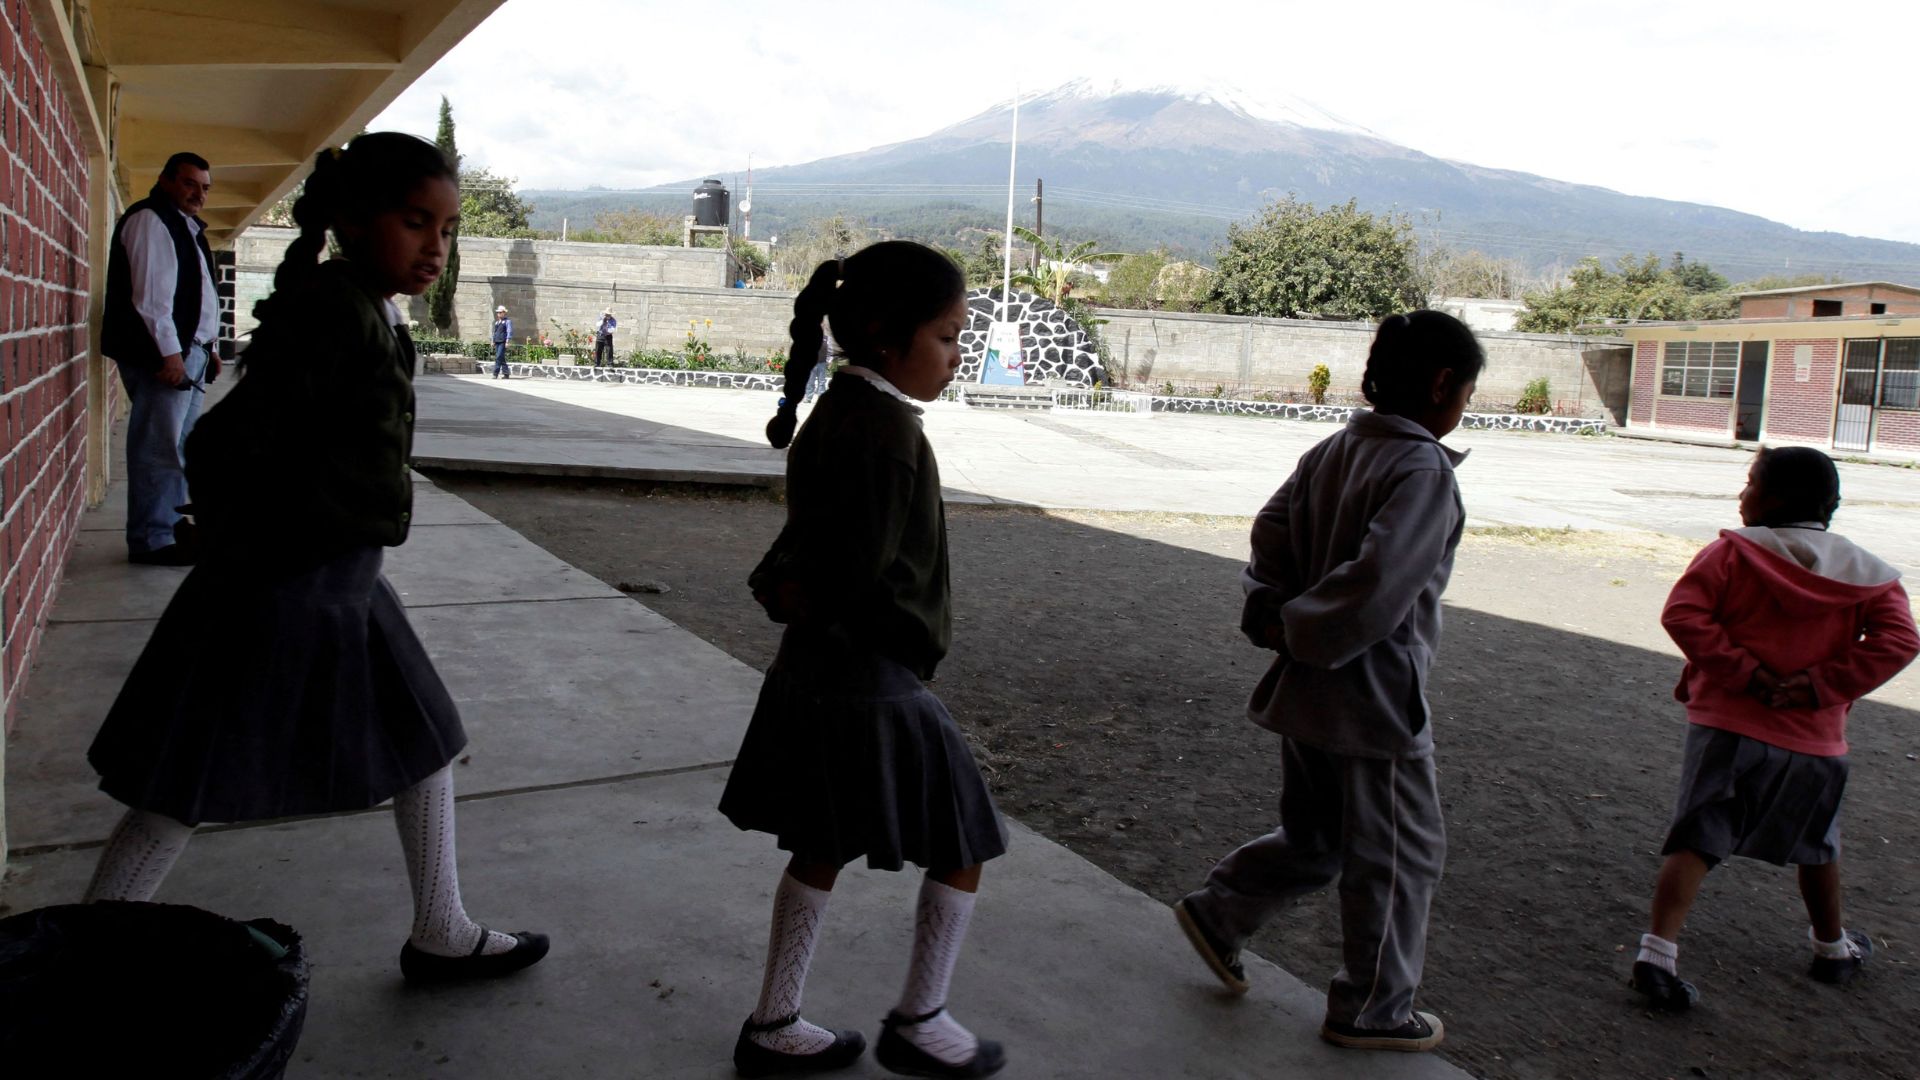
x=123 y=334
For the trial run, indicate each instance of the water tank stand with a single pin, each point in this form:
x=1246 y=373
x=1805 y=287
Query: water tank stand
x=689 y=230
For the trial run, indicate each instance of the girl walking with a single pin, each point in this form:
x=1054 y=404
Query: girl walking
x=849 y=755
x=1784 y=626
x=1349 y=560
x=283 y=678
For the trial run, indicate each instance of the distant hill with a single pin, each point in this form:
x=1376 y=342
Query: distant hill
x=1141 y=167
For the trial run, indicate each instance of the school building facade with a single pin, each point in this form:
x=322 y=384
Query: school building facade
x=94 y=97
x=1833 y=366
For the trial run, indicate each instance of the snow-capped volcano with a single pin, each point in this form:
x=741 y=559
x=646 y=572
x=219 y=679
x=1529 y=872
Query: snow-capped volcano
x=1281 y=108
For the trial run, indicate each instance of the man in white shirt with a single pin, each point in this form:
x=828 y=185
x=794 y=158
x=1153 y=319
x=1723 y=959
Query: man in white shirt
x=161 y=322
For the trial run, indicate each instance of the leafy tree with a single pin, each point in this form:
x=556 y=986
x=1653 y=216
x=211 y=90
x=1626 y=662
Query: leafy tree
x=1134 y=281
x=801 y=250
x=440 y=293
x=752 y=258
x=489 y=206
x=1297 y=260
x=1640 y=290
x=1053 y=278
x=633 y=227
x=1696 y=277
x=984 y=264
x=1183 y=286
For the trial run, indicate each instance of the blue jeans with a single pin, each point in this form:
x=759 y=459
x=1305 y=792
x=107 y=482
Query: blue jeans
x=156 y=449
x=500 y=359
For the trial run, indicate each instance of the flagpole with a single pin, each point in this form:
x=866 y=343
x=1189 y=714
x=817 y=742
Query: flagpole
x=1013 y=159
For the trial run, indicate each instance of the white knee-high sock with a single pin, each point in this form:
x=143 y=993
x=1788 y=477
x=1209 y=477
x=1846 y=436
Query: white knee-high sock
x=137 y=857
x=797 y=910
x=939 y=928
x=1659 y=952
x=424 y=815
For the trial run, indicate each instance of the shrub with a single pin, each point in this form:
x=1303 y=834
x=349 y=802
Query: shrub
x=1317 y=382
x=1537 y=398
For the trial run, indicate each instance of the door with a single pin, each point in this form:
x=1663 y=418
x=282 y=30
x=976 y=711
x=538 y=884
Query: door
x=1859 y=375
x=1750 y=401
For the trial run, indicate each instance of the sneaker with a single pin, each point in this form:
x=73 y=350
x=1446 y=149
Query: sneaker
x=1224 y=961
x=1421 y=1031
x=1663 y=989
x=1840 y=971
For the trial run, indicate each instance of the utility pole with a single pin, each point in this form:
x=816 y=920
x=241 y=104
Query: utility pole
x=1039 y=217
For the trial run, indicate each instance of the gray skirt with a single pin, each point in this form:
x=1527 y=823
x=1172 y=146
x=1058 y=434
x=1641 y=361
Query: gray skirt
x=270 y=692
x=849 y=755
x=1740 y=796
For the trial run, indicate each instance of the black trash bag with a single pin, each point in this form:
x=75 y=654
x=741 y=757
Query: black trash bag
x=148 y=990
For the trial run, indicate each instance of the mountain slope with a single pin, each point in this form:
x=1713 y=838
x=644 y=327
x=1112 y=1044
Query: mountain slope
x=1140 y=166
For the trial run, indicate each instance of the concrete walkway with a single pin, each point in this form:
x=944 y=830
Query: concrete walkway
x=1108 y=461
x=601 y=735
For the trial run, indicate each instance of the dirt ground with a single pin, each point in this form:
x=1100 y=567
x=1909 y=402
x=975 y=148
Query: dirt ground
x=1098 y=670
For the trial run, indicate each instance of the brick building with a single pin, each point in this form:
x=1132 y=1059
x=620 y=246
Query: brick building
x=1834 y=366
x=94 y=96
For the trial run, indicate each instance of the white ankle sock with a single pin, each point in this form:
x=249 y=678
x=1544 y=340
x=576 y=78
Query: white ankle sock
x=797 y=910
x=137 y=857
x=424 y=815
x=939 y=928
x=1659 y=952
x=1833 y=950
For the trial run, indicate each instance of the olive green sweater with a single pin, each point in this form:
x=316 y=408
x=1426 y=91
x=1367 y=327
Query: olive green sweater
x=310 y=452
x=866 y=532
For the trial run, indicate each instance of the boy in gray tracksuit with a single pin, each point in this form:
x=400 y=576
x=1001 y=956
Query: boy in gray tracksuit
x=1349 y=560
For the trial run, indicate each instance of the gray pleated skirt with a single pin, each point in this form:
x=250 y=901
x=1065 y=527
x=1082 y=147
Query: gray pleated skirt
x=1740 y=796
x=269 y=692
x=850 y=756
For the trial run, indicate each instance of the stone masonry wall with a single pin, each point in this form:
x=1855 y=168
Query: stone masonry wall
x=44 y=283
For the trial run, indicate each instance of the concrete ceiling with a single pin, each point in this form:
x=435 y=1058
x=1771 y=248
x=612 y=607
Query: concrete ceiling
x=256 y=87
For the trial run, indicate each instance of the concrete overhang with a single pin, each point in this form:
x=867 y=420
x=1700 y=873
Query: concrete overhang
x=256 y=87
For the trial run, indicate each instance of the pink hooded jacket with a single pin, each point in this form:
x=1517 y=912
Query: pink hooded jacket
x=1791 y=599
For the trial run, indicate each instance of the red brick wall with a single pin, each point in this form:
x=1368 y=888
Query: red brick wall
x=1646 y=383
x=1767 y=307
x=1896 y=429
x=44 y=282
x=1696 y=414
x=1802 y=411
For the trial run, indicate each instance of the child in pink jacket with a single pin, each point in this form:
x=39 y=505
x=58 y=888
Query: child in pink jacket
x=1784 y=625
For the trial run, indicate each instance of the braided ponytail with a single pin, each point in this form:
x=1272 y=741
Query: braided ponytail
x=810 y=308
x=313 y=214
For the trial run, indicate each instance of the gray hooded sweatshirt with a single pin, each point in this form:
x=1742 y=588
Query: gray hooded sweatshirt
x=1350 y=556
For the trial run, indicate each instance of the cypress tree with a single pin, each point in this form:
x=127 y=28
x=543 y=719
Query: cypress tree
x=440 y=293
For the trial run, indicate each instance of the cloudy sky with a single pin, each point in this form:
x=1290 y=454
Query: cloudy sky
x=1796 y=112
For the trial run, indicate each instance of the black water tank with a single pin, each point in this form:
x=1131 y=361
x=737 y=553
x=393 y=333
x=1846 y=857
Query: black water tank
x=710 y=203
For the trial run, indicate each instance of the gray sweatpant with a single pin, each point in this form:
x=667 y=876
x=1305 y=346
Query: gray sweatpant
x=1373 y=825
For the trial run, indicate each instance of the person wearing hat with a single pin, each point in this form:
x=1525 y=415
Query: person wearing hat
x=603 y=339
x=502 y=333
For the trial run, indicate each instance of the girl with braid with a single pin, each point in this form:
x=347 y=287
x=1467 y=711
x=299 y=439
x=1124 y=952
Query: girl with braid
x=283 y=678
x=849 y=755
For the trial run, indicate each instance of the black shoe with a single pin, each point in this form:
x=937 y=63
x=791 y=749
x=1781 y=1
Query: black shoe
x=1225 y=962
x=425 y=967
x=752 y=1059
x=1841 y=971
x=900 y=1056
x=1663 y=990
x=171 y=555
x=1421 y=1031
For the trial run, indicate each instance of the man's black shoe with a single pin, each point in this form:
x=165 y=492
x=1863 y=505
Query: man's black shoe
x=171 y=555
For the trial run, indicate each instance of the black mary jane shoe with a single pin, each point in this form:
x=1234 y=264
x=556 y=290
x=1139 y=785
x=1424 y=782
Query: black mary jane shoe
x=752 y=1059
x=424 y=967
x=1664 y=991
x=898 y=1055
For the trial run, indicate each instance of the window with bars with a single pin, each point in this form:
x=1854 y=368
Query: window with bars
x=1900 y=374
x=1702 y=369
